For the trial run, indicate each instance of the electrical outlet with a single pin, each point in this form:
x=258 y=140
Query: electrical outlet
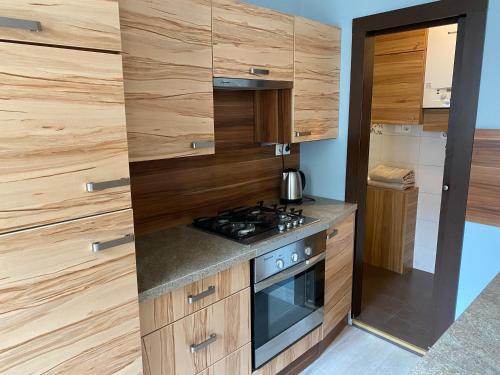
x=282 y=149
x=406 y=129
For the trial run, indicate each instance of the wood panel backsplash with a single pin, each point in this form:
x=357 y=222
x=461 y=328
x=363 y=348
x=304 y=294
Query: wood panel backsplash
x=174 y=191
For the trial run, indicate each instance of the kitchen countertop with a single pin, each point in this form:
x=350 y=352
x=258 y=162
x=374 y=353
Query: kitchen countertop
x=472 y=344
x=177 y=256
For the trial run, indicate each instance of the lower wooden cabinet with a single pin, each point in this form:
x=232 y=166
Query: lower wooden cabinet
x=65 y=308
x=194 y=343
x=240 y=362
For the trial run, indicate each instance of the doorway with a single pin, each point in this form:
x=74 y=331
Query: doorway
x=442 y=285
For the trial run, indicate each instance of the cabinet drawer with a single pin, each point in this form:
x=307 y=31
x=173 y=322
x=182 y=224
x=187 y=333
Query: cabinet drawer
x=158 y=312
x=340 y=236
x=63 y=126
x=63 y=305
x=194 y=343
x=239 y=362
x=75 y=23
x=246 y=36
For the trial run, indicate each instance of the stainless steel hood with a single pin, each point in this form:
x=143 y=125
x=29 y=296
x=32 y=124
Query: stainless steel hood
x=250 y=84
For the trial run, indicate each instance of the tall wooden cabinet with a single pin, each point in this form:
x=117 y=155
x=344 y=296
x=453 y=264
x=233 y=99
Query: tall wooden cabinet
x=68 y=285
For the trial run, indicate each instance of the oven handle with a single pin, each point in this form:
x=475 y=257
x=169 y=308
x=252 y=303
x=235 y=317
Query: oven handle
x=290 y=272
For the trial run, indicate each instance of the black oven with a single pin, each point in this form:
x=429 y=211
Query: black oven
x=288 y=296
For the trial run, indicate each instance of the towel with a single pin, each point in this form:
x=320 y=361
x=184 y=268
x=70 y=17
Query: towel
x=392 y=175
x=389 y=185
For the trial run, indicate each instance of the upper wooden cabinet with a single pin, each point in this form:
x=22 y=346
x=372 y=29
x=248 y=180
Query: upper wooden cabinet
x=248 y=37
x=398 y=77
x=167 y=55
x=62 y=121
x=316 y=85
x=90 y=24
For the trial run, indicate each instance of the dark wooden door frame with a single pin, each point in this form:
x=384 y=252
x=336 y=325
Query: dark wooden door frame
x=471 y=18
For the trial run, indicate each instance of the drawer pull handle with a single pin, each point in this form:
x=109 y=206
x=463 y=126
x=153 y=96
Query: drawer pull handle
x=192 y=299
x=333 y=234
x=303 y=134
x=202 y=345
x=98 y=186
x=208 y=144
x=15 y=23
x=100 y=246
x=259 y=72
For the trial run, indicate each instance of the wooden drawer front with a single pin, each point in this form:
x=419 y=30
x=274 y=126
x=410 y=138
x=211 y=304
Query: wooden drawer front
x=76 y=23
x=340 y=236
x=168 y=350
x=167 y=59
x=317 y=77
x=63 y=125
x=239 y=362
x=158 y=312
x=65 y=308
x=247 y=36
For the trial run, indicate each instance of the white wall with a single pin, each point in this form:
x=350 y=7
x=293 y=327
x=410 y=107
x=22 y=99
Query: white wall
x=423 y=152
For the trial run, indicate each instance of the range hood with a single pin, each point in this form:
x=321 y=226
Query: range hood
x=250 y=84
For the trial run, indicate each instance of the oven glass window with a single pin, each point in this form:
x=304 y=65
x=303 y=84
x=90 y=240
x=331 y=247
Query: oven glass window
x=287 y=302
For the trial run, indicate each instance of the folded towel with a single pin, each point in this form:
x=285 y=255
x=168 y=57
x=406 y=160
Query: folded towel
x=384 y=173
x=389 y=185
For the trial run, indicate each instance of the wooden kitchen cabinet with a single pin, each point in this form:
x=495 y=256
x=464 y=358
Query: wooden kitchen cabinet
x=167 y=59
x=65 y=308
x=316 y=84
x=62 y=120
x=169 y=350
x=405 y=41
x=338 y=273
x=93 y=24
x=248 y=37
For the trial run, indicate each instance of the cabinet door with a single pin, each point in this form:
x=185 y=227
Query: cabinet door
x=406 y=41
x=167 y=56
x=316 y=85
x=62 y=121
x=248 y=37
x=67 y=309
x=338 y=273
x=91 y=24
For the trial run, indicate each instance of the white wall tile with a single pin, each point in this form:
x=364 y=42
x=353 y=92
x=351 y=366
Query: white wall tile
x=400 y=149
x=426 y=234
x=429 y=207
x=432 y=151
x=424 y=259
x=430 y=179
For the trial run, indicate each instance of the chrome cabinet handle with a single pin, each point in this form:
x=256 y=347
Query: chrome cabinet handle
x=303 y=134
x=333 y=234
x=202 y=345
x=192 y=299
x=15 y=23
x=98 y=186
x=259 y=72
x=195 y=145
x=100 y=246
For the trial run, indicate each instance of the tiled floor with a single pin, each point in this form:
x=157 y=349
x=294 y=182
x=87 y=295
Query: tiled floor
x=356 y=352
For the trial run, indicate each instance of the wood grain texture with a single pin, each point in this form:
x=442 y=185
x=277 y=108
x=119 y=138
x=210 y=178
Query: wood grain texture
x=338 y=274
x=167 y=351
x=241 y=172
x=405 y=41
x=247 y=36
x=278 y=363
x=239 y=362
x=167 y=59
x=436 y=119
x=64 y=308
x=62 y=117
x=398 y=82
x=92 y=24
x=391 y=218
x=483 y=205
x=317 y=78
x=170 y=307
x=273 y=116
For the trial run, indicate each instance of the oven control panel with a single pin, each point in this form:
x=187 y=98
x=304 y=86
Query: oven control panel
x=288 y=256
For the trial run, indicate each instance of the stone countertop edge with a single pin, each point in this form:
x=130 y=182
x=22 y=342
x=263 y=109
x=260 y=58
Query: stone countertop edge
x=154 y=278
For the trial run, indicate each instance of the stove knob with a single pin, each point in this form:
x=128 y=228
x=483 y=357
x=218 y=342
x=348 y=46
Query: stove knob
x=295 y=223
x=302 y=220
x=280 y=263
x=288 y=225
x=281 y=227
x=308 y=251
x=295 y=257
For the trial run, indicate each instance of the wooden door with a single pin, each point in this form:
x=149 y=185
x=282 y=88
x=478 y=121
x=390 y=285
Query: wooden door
x=338 y=273
x=248 y=37
x=93 y=24
x=167 y=59
x=317 y=77
x=62 y=121
x=67 y=309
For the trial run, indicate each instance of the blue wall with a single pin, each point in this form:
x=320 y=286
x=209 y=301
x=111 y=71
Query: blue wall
x=325 y=162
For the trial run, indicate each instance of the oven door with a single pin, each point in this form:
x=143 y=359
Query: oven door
x=286 y=307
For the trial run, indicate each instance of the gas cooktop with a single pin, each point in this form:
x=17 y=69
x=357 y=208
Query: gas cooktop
x=252 y=224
